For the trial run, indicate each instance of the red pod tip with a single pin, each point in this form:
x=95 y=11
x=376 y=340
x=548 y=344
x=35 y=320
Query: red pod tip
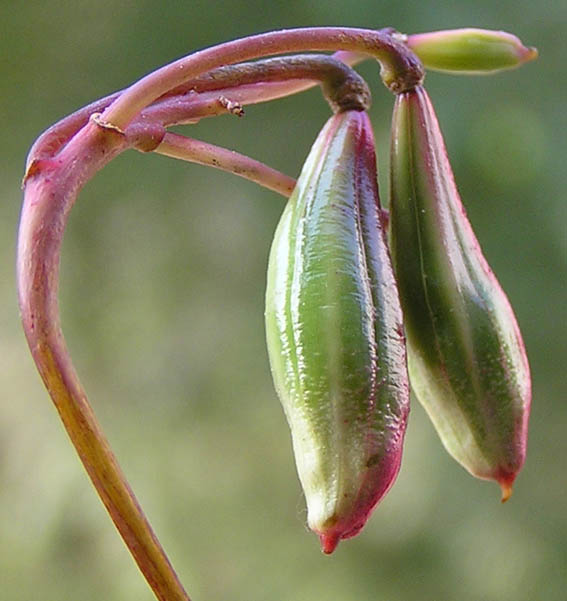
x=329 y=542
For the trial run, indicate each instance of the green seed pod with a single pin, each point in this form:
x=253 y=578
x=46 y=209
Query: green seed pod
x=470 y=51
x=334 y=332
x=466 y=357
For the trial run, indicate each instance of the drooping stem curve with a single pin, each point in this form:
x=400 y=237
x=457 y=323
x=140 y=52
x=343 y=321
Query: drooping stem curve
x=50 y=192
x=338 y=79
x=246 y=83
x=48 y=199
x=401 y=70
x=69 y=154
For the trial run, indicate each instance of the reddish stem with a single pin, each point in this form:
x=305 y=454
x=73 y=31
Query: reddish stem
x=50 y=194
x=401 y=69
x=195 y=151
x=197 y=98
x=70 y=153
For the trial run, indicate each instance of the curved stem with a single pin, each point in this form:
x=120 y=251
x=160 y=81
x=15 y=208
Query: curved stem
x=195 y=151
x=68 y=155
x=247 y=83
x=339 y=81
x=49 y=195
x=401 y=69
x=222 y=90
x=52 y=140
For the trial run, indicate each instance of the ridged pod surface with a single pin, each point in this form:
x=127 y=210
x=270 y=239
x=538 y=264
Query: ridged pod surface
x=466 y=357
x=334 y=332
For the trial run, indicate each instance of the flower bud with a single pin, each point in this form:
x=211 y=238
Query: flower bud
x=334 y=332
x=466 y=357
x=470 y=51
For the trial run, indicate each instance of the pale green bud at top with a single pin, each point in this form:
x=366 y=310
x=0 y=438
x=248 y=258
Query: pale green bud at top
x=470 y=51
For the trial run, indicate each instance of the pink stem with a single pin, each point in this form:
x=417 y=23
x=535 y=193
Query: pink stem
x=64 y=159
x=195 y=151
x=50 y=193
x=183 y=105
x=401 y=70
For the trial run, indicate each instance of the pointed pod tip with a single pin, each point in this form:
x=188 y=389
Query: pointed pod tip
x=506 y=480
x=329 y=542
x=529 y=54
x=506 y=491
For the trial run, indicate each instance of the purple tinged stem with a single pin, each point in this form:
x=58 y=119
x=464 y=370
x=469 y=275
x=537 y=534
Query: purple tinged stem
x=63 y=159
x=205 y=96
x=188 y=149
x=49 y=195
x=401 y=70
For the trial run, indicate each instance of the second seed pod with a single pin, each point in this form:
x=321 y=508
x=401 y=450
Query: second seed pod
x=466 y=357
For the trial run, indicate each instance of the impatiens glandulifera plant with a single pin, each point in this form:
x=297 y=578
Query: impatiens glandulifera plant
x=335 y=334
x=334 y=325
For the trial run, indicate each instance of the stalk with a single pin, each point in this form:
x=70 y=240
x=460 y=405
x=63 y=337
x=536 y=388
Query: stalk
x=202 y=153
x=204 y=96
x=59 y=165
x=48 y=199
x=401 y=70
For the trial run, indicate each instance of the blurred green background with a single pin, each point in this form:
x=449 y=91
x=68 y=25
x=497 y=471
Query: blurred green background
x=163 y=277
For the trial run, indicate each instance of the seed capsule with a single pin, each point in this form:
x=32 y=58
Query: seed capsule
x=334 y=332
x=470 y=51
x=466 y=357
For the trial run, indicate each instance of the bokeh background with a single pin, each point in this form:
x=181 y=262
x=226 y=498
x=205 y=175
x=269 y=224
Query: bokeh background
x=163 y=277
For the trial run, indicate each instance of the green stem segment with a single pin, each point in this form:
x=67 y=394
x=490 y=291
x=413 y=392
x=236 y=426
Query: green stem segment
x=470 y=51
